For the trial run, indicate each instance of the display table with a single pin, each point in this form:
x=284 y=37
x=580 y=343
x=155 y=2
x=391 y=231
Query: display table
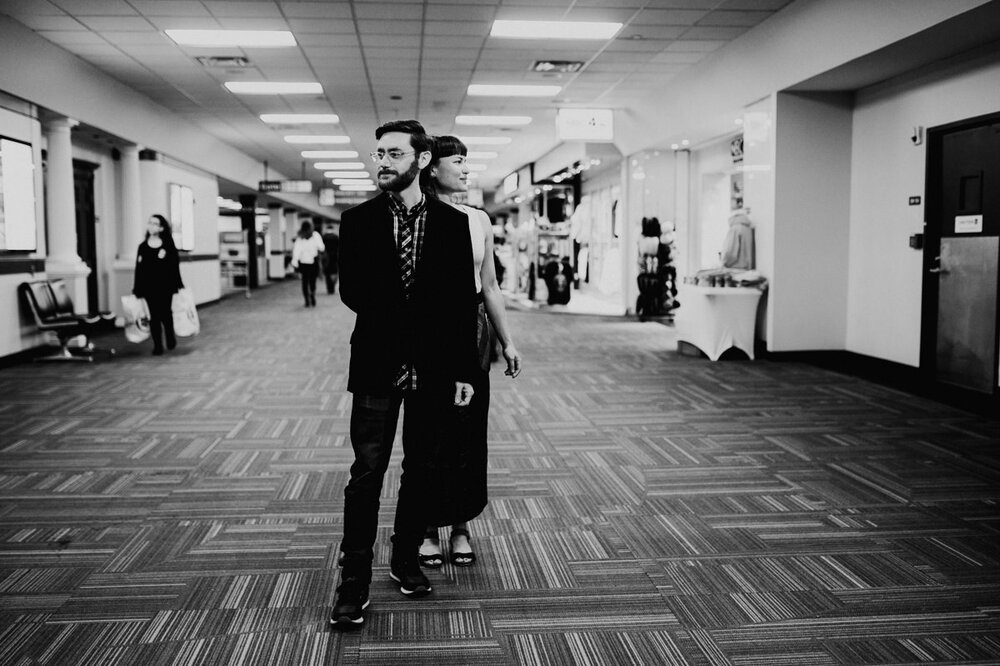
x=713 y=319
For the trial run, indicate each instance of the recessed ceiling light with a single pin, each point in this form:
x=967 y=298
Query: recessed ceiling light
x=512 y=90
x=555 y=29
x=274 y=88
x=300 y=118
x=247 y=38
x=347 y=174
x=492 y=120
x=357 y=188
x=481 y=155
x=485 y=140
x=330 y=154
x=319 y=138
x=351 y=181
x=341 y=166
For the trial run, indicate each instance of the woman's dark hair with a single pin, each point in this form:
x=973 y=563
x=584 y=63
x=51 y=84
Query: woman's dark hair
x=306 y=230
x=441 y=147
x=166 y=233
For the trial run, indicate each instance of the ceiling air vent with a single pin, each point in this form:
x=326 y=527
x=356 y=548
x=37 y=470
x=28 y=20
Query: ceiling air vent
x=223 y=61
x=557 y=66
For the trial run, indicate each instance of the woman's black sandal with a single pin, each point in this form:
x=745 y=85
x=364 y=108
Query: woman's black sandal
x=432 y=560
x=461 y=559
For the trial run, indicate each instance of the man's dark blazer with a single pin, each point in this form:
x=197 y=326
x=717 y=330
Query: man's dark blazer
x=435 y=328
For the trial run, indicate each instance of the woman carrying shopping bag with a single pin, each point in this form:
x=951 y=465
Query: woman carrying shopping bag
x=157 y=279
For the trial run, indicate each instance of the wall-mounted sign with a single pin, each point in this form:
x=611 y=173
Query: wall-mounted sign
x=736 y=149
x=297 y=186
x=327 y=196
x=585 y=125
x=510 y=184
x=968 y=224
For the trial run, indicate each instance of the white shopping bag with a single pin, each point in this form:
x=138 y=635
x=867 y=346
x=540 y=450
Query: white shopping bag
x=135 y=312
x=185 y=314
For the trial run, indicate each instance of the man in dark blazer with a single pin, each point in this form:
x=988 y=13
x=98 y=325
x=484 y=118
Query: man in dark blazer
x=406 y=270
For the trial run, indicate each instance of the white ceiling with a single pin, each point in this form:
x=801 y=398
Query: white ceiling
x=379 y=61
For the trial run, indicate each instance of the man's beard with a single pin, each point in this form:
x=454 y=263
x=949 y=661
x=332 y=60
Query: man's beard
x=400 y=181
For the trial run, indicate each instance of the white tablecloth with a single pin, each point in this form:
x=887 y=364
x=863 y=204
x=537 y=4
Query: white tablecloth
x=713 y=319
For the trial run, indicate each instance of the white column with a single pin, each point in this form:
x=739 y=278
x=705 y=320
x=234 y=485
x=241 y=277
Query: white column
x=62 y=260
x=133 y=224
x=276 y=242
x=291 y=227
x=689 y=250
x=629 y=239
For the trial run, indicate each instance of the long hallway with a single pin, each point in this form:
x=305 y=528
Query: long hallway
x=646 y=508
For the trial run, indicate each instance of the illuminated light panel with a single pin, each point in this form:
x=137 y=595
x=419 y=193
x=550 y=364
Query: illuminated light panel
x=329 y=154
x=309 y=138
x=512 y=90
x=248 y=38
x=482 y=155
x=492 y=120
x=352 y=181
x=274 y=88
x=342 y=166
x=300 y=118
x=357 y=188
x=347 y=174
x=555 y=29
x=485 y=140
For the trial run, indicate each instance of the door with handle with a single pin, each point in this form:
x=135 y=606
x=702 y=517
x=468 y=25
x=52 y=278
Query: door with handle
x=962 y=256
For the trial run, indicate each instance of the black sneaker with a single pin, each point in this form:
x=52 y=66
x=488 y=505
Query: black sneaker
x=406 y=571
x=352 y=600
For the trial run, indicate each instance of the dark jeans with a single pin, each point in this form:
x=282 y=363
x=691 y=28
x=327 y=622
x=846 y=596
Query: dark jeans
x=309 y=273
x=373 y=428
x=161 y=317
x=331 y=282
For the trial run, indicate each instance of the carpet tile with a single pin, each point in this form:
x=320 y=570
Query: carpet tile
x=646 y=508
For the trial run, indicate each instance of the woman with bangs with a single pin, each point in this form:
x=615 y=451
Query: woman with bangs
x=462 y=470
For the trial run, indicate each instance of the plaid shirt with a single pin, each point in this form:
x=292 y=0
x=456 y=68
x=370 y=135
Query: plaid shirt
x=407 y=377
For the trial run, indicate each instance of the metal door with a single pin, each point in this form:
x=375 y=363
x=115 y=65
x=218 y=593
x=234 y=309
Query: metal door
x=967 y=312
x=962 y=254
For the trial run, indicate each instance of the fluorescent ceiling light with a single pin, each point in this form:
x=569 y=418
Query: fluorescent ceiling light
x=485 y=140
x=357 y=188
x=475 y=167
x=329 y=154
x=512 y=90
x=352 y=181
x=274 y=88
x=248 y=38
x=481 y=155
x=347 y=174
x=342 y=166
x=300 y=118
x=309 y=138
x=555 y=29
x=492 y=120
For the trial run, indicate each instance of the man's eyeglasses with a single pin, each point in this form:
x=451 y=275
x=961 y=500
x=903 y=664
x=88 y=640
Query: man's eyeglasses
x=393 y=155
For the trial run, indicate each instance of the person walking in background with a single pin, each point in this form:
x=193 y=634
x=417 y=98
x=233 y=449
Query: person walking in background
x=404 y=271
x=306 y=252
x=461 y=461
x=157 y=279
x=331 y=241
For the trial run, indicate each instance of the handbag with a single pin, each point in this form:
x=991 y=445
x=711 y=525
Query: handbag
x=135 y=312
x=185 y=314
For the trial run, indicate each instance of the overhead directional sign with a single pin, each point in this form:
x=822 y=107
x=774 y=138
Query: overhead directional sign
x=299 y=186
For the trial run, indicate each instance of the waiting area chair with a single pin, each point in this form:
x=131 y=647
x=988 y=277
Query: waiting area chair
x=51 y=307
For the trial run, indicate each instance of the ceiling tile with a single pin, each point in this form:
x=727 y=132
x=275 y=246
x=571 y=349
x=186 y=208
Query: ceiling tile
x=372 y=41
x=676 y=58
x=648 y=31
x=62 y=37
x=240 y=23
x=449 y=29
x=52 y=22
x=768 y=5
x=311 y=40
x=328 y=26
x=170 y=7
x=19 y=8
x=669 y=16
x=255 y=9
x=182 y=22
x=154 y=38
x=388 y=11
x=96 y=7
x=390 y=28
x=316 y=9
x=713 y=32
x=696 y=45
x=460 y=12
x=745 y=19
x=119 y=23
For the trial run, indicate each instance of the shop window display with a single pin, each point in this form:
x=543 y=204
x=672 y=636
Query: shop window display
x=657 y=279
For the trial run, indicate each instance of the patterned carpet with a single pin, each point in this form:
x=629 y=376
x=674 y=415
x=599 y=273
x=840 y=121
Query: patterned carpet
x=646 y=508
